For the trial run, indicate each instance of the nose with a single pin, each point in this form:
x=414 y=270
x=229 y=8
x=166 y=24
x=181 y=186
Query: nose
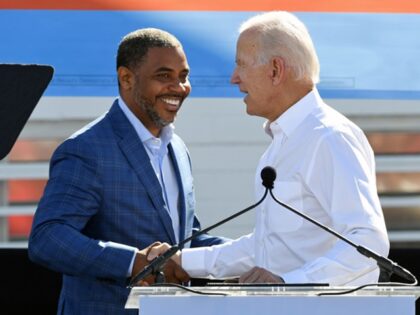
x=181 y=86
x=234 y=79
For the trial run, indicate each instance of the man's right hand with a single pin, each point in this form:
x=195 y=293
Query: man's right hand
x=173 y=272
x=159 y=249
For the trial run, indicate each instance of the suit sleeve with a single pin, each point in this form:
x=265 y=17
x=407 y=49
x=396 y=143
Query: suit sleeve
x=205 y=239
x=71 y=198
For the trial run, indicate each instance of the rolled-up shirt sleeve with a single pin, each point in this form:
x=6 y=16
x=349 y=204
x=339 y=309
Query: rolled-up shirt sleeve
x=227 y=260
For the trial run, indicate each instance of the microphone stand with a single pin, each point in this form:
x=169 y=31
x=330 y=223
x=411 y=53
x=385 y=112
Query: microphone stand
x=156 y=265
x=384 y=263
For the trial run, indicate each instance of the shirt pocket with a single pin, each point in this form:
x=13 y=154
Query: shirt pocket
x=280 y=219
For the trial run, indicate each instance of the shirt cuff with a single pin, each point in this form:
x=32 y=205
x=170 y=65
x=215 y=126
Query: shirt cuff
x=130 y=268
x=193 y=261
x=122 y=246
x=295 y=276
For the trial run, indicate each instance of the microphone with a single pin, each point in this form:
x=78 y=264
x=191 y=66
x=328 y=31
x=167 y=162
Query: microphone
x=384 y=263
x=268 y=175
x=155 y=266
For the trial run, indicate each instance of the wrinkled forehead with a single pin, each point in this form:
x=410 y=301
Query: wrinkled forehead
x=247 y=47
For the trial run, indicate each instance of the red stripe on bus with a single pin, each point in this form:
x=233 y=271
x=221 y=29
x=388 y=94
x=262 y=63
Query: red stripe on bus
x=367 y=6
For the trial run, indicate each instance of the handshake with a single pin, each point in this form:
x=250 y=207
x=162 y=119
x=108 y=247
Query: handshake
x=175 y=274
x=172 y=268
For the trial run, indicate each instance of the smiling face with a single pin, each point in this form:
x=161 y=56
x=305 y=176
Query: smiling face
x=156 y=88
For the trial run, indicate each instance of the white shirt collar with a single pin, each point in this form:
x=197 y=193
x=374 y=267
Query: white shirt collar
x=143 y=133
x=294 y=116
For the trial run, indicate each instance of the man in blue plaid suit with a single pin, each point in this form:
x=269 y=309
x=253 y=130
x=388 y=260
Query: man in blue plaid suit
x=120 y=183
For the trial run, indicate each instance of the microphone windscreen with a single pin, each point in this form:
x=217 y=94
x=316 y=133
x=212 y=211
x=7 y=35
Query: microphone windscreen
x=268 y=175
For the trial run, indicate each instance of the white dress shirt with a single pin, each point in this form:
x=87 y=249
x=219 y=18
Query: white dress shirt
x=325 y=168
x=157 y=150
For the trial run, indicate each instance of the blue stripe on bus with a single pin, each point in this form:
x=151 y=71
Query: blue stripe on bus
x=361 y=55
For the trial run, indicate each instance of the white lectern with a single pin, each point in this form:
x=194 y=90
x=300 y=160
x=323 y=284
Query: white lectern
x=288 y=300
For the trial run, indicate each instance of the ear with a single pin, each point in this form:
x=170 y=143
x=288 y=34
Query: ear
x=126 y=78
x=278 y=70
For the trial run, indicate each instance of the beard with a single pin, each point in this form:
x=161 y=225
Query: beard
x=148 y=107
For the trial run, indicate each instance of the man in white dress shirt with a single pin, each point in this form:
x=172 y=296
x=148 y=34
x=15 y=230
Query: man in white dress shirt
x=325 y=168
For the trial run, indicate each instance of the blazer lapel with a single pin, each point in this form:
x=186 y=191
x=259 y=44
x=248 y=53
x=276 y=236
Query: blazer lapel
x=182 y=209
x=139 y=160
x=182 y=166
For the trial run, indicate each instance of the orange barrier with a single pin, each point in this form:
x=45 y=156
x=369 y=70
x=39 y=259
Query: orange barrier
x=368 y=6
x=23 y=192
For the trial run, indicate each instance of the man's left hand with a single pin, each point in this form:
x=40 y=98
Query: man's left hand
x=260 y=275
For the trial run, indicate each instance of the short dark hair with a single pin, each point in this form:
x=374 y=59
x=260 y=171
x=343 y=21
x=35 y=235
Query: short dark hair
x=135 y=45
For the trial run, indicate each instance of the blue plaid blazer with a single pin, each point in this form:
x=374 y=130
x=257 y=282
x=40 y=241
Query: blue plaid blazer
x=102 y=187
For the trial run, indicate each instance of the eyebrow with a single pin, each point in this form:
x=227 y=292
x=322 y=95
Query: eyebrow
x=166 y=69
